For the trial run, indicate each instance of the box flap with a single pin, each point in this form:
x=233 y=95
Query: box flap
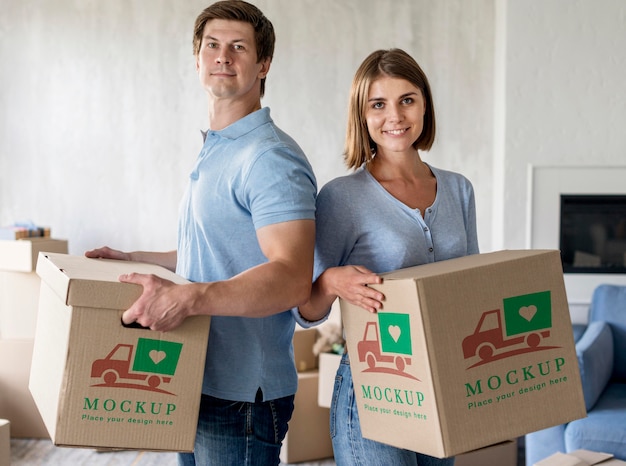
x=84 y=282
x=21 y=255
x=561 y=459
x=576 y=458
x=591 y=457
x=464 y=263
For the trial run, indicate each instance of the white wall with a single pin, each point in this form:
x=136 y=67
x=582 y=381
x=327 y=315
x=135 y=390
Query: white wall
x=100 y=109
x=565 y=96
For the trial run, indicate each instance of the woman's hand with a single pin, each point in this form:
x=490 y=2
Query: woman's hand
x=351 y=283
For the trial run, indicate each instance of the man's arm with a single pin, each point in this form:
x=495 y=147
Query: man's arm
x=281 y=283
x=164 y=259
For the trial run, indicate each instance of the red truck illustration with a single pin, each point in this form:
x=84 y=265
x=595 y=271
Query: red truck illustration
x=117 y=365
x=369 y=350
x=491 y=335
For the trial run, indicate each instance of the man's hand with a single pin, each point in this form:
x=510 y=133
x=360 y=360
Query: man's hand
x=161 y=306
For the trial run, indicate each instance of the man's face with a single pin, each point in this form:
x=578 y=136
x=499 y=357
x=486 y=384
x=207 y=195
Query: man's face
x=227 y=61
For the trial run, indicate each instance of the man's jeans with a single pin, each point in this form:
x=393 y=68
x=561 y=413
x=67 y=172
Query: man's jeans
x=351 y=449
x=235 y=433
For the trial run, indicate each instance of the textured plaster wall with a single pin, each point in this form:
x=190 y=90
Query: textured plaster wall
x=101 y=111
x=565 y=98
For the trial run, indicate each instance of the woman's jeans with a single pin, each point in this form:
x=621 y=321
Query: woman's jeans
x=235 y=433
x=351 y=449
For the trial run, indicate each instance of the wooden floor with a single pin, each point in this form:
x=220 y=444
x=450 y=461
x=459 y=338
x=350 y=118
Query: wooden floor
x=29 y=452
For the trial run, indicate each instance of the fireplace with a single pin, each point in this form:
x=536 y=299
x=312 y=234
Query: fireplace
x=584 y=192
x=592 y=236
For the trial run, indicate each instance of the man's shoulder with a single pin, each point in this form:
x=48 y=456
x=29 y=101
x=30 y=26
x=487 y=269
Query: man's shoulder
x=261 y=131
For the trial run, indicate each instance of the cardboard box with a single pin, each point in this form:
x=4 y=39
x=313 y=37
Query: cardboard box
x=5 y=442
x=501 y=454
x=466 y=353
x=19 y=284
x=19 y=300
x=303 y=341
x=21 y=255
x=16 y=402
x=580 y=458
x=308 y=437
x=100 y=384
x=329 y=363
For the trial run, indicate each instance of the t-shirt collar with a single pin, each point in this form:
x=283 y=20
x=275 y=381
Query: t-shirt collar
x=243 y=125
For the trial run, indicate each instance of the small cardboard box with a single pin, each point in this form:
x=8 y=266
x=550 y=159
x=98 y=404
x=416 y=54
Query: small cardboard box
x=21 y=255
x=308 y=437
x=19 y=284
x=16 y=402
x=466 y=353
x=303 y=341
x=329 y=363
x=500 y=454
x=581 y=458
x=5 y=442
x=100 y=384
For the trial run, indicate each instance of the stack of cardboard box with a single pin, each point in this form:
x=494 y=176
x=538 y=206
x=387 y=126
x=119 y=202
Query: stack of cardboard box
x=19 y=297
x=308 y=438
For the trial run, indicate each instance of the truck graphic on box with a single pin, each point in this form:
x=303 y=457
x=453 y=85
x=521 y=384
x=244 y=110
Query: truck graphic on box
x=144 y=367
x=387 y=343
x=519 y=327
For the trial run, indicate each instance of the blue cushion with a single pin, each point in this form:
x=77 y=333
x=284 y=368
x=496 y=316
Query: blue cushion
x=604 y=429
x=578 y=330
x=595 y=360
x=609 y=304
x=544 y=443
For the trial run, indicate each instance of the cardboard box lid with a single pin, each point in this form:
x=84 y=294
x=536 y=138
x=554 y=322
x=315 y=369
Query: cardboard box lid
x=460 y=264
x=84 y=282
x=580 y=458
x=21 y=255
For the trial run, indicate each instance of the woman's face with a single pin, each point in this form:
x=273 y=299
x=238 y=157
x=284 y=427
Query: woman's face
x=395 y=114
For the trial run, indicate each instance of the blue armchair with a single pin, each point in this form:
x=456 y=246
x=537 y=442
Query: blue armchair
x=601 y=352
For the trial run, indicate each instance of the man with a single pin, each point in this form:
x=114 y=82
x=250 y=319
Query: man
x=246 y=239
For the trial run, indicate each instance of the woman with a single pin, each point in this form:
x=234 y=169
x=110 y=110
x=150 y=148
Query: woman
x=394 y=211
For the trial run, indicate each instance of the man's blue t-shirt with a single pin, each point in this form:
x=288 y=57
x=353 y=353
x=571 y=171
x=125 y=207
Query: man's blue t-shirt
x=247 y=176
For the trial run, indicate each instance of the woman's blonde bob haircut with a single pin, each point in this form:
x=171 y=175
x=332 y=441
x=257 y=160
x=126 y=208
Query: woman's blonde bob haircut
x=396 y=63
